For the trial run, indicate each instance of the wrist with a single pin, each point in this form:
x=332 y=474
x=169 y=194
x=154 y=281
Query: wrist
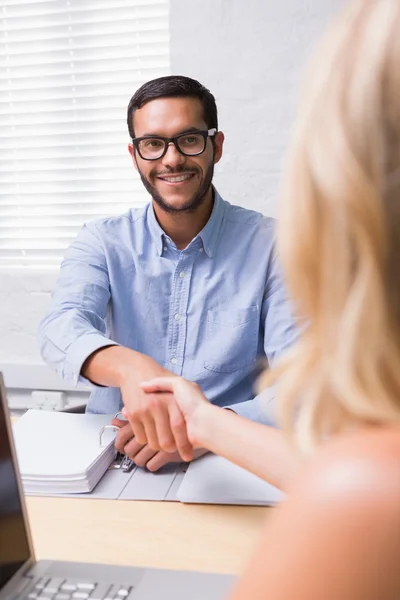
x=130 y=367
x=202 y=423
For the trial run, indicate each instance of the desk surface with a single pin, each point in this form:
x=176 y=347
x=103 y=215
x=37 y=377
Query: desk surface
x=155 y=534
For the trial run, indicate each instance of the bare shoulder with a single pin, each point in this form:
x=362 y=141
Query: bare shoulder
x=338 y=533
x=357 y=472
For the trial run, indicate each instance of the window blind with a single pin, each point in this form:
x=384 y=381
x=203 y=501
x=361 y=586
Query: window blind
x=68 y=69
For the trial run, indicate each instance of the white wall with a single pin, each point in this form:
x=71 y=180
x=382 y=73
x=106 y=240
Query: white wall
x=250 y=54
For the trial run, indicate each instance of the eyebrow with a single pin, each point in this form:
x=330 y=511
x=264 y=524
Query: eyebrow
x=189 y=130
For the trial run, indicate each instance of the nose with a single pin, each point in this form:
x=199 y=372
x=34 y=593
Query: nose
x=172 y=158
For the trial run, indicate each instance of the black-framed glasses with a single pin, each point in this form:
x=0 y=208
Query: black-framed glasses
x=192 y=143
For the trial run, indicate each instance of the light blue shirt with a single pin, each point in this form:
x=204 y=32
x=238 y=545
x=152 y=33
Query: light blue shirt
x=208 y=312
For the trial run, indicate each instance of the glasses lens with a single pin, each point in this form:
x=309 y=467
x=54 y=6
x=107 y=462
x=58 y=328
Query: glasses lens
x=151 y=148
x=191 y=143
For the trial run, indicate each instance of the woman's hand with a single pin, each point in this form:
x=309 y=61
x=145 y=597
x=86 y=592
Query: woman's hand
x=190 y=399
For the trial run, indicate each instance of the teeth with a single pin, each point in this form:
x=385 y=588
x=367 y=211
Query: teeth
x=178 y=178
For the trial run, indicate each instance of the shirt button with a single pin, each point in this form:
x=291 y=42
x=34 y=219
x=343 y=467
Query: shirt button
x=182 y=274
x=165 y=248
x=173 y=360
x=177 y=317
x=201 y=250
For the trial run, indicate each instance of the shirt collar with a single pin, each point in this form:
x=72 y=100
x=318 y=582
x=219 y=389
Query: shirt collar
x=209 y=233
x=155 y=230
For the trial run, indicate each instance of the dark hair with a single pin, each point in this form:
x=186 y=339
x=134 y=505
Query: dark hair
x=173 y=86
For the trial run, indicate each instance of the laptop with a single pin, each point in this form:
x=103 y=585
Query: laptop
x=24 y=578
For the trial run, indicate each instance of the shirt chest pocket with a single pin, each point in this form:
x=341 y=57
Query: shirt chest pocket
x=232 y=339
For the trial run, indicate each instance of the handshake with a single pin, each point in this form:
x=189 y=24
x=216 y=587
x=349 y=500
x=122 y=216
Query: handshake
x=164 y=416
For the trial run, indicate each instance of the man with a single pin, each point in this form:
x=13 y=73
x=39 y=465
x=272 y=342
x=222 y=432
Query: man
x=188 y=285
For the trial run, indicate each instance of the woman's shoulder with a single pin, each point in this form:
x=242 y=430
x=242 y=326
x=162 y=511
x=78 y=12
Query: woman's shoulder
x=367 y=453
x=345 y=510
x=358 y=469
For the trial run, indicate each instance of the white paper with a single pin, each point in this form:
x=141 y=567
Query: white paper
x=61 y=451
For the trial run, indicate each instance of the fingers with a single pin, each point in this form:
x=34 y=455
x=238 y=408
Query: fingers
x=129 y=446
x=139 y=454
x=150 y=431
x=132 y=448
x=159 y=421
x=165 y=434
x=162 y=458
x=138 y=428
x=126 y=433
x=160 y=384
x=176 y=418
x=123 y=436
x=184 y=406
x=179 y=431
x=144 y=456
x=118 y=422
x=151 y=425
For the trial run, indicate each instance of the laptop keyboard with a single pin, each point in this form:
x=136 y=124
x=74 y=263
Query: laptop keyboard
x=66 y=589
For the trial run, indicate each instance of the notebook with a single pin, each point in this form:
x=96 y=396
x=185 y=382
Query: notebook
x=61 y=452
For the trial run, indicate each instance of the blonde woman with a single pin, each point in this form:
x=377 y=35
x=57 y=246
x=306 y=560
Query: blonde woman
x=337 y=537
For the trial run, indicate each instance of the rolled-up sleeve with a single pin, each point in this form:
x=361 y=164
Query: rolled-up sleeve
x=75 y=325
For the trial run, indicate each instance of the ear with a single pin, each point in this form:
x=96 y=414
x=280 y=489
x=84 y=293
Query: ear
x=131 y=151
x=219 y=142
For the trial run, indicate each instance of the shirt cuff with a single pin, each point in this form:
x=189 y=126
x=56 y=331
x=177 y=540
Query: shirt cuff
x=79 y=351
x=260 y=409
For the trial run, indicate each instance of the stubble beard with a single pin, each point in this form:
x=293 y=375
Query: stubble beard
x=193 y=204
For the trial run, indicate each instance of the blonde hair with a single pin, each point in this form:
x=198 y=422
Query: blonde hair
x=339 y=231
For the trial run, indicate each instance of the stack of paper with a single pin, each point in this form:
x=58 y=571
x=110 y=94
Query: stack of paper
x=60 y=453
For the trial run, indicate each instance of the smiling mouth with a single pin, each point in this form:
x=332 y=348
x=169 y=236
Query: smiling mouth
x=182 y=178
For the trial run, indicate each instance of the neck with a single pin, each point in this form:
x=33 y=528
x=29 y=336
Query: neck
x=182 y=227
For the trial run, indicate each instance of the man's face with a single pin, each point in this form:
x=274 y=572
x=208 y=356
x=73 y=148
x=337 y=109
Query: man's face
x=175 y=182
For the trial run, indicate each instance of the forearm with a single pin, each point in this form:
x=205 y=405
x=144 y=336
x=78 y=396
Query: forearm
x=111 y=366
x=258 y=448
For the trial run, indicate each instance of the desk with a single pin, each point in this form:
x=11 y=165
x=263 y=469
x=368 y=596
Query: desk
x=154 y=534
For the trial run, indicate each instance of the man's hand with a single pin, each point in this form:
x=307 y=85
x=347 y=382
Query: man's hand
x=142 y=454
x=190 y=400
x=155 y=419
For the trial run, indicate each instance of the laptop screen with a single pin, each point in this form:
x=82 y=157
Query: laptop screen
x=14 y=546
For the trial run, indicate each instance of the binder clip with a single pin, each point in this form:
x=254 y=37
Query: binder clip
x=126 y=464
x=122 y=461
